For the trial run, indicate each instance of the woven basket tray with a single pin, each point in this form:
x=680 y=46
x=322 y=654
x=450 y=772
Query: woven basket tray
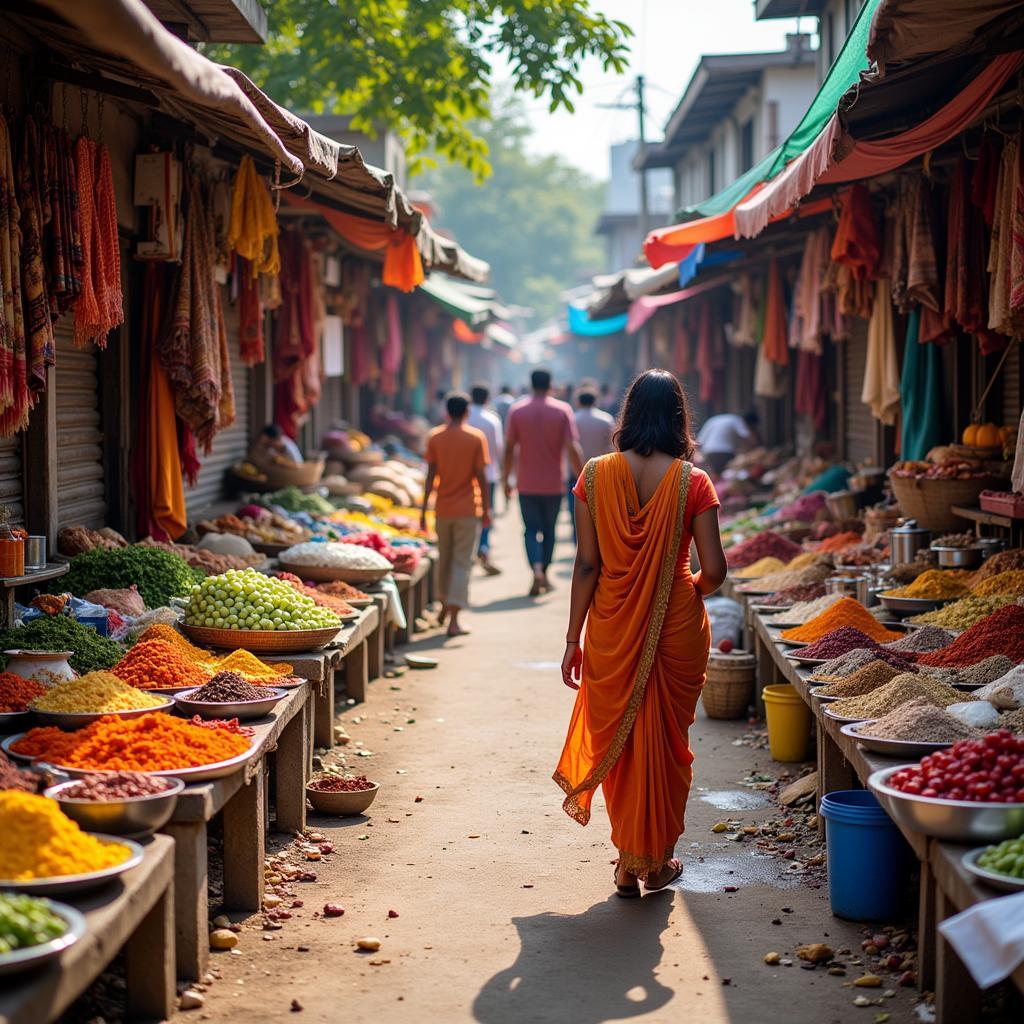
x=271 y=641
x=930 y=501
x=331 y=574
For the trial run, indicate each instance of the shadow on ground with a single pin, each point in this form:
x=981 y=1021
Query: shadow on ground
x=588 y=968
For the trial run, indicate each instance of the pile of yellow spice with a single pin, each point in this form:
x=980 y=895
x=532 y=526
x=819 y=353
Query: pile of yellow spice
x=240 y=661
x=93 y=692
x=38 y=841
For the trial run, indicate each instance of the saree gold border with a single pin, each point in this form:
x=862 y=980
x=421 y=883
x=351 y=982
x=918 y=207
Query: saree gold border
x=571 y=804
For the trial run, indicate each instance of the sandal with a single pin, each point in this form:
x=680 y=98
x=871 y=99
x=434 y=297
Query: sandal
x=626 y=892
x=675 y=874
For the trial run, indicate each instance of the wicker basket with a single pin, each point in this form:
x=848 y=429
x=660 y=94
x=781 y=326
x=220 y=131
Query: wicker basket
x=332 y=574
x=729 y=689
x=304 y=474
x=268 y=641
x=930 y=501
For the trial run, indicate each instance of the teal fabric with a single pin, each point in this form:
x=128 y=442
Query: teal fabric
x=845 y=72
x=835 y=478
x=920 y=394
x=580 y=323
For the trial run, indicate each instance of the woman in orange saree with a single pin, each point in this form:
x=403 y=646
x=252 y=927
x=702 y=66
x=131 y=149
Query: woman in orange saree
x=645 y=656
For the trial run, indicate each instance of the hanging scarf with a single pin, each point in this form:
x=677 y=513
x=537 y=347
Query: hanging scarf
x=775 y=325
x=881 y=390
x=985 y=179
x=250 y=315
x=810 y=388
x=857 y=245
x=14 y=401
x=1001 y=257
x=294 y=339
x=920 y=394
x=807 y=325
x=61 y=220
x=253 y=232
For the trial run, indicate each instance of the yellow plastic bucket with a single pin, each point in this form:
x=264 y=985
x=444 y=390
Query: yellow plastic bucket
x=789 y=723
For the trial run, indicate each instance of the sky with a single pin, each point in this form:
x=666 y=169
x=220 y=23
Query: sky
x=669 y=38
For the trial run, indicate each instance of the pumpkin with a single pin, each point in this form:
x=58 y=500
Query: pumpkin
x=1008 y=434
x=988 y=436
x=970 y=436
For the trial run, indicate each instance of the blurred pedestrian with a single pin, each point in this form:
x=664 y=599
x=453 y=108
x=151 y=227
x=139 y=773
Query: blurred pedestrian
x=595 y=428
x=487 y=422
x=504 y=401
x=722 y=437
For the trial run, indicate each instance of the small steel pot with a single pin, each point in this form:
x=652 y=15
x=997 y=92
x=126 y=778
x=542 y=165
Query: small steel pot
x=906 y=541
x=35 y=552
x=958 y=558
x=845 y=585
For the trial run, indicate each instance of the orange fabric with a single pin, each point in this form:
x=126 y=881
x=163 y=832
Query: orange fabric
x=776 y=328
x=458 y=453
x=166 y=490
x=464 y=333
x=627 y=733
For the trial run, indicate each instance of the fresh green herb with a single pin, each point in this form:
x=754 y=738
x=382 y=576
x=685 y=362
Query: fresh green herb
x=159 y=575
x=62 y=633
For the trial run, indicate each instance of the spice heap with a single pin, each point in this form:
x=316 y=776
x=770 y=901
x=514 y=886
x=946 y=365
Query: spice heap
x=152 y=743
x=1013 y=720
x=249 y=666
x=759 y=546
x=921 y=641
x=1010 y=583
x=839 y=541
x=907 y=572
x=1001 y=633
x=27 y=921
x=964 y=613
x=116 y=786
x=978 y=674
x=337 y=784
x=762 y=567
x=918 y=721
x=336 y=555
x=816 y=573
x=62 y=633
x=935 y=584
x=337 y=588
x=230 y=688
x=836 y=643
x=804 y=611
x=896 y=693
x=845 y=612
x=847 y=664
x=870 y=677
x=39 y=841
x=94 y=692
x=161 y=631
x=985 y=770
x=336 y=604
x=15 y=692
x=794 y=595
x=158 y=665
x=12 y=777
x=805 y=508
x=802 y=560
x=1005 y=561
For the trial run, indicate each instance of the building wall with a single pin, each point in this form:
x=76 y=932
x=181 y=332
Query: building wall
x=791 y=90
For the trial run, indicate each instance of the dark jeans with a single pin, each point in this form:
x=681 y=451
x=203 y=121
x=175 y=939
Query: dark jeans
x=540 y=514
x=485 y=533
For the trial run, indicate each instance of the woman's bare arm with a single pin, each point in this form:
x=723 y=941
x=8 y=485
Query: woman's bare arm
x=585 y=573
x=713 y=565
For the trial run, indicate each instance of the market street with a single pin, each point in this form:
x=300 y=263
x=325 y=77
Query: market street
x=506 y=907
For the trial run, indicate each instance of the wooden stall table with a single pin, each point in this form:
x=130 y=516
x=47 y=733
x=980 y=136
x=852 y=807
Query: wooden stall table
x=11 y=584
x=136 y=912
x=377 y=640
x=413 y=590
x=240 y=796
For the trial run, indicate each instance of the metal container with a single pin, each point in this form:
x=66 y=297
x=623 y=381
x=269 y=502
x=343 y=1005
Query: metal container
x=958 y=558
x=990 y=546
x=243 y=710
x=866 y=590
x=135 y=816
x=35 y=553
x=845 y=585
x=841 y=505
x=71 y=720
x=905 y=541
x=955 y=820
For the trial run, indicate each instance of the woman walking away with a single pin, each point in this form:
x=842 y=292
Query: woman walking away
x=642 y=666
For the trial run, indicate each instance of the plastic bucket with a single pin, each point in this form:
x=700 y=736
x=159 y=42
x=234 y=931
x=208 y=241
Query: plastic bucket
x=868 y=861
x=789 y=723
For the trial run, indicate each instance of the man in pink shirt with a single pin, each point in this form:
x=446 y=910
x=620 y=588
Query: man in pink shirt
x=542 y=432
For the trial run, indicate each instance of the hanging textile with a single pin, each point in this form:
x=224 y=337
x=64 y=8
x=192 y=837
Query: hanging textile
x=705 y=362
x=250 y=315
x=39 y=338
x=923 y=271
x=857 y=245
x=193 y=351
x=294 y=335
x=682 y=362
x=985 y=179
x=769 y=377
x=253 y=232
x=774 y=342
x=745 y=316
x=810 y=388
x=14 y=399
x=881 y=390
x=62 y=225
x=1001 y=257
x=920 y=394
x=99 y=308
x=807 y=326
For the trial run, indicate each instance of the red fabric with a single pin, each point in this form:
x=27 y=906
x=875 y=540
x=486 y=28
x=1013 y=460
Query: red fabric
x=810 y=388
x=464 y=333
x=985 y=179
x=250 y=314
x=776 y=328
x=294 y=340
x=857 y=244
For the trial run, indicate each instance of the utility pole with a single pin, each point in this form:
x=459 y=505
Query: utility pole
x=644 y=207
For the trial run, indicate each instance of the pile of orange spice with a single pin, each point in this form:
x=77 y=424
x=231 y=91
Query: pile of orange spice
x=157 y=665
x=151 y=743
x=845 y=612
x=16 y=692
x=161 y=631
x=840 y=541
x=336 y=604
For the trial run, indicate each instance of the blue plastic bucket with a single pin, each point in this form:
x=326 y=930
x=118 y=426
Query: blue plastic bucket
x=868 y=861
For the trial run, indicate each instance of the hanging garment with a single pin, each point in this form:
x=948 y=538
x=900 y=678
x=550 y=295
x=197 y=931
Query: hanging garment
x=705 y=363
x=806 y=325
x=250 y=315
x=253 y=232
x=769 y=378
x=1001 y=259
x=810 y=388
x=14 y=398
x=294 y=337
x=745 y=318
x=775 y=334
x=857 y=244
x=920 y=394
x=985 y=179
x=881 y=390
x=62 y=225
x=682 y=361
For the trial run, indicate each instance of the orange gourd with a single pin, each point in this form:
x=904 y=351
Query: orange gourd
x=988 y=436
x=970 y=436
x=1008 y=434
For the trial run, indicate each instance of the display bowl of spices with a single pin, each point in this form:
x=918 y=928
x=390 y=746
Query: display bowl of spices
x=76 y=703
x=912 y=730
x=118 y=803
x=34 y=930
x=229 y=695
x=16 y=693
x=337 y=794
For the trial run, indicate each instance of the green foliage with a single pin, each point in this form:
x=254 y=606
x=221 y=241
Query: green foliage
x=92 y=652
x=159 y=575
x=425 y=67
x=533 y=220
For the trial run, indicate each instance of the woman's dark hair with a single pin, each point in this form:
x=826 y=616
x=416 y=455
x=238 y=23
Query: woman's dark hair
x=655 y=417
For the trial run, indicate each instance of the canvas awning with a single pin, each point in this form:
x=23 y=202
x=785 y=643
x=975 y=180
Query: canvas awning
x=458 y=300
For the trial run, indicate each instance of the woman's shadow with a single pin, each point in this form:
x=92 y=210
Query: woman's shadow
x=586 y=968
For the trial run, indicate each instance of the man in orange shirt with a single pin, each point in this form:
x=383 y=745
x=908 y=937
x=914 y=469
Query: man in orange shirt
x=457 y=457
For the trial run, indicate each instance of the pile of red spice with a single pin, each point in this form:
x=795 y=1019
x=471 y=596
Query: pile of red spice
x=1002 y=632
x=838 y=642
x=839 y=541
x=116 y=786
x=16 y=692
x=764 y=545
x=336 y=784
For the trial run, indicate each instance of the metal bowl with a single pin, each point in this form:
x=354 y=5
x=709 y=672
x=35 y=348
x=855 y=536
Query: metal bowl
x=83 y=882
x=243 y=710
x=14 y=721
x=913 y=605
x=1007 y=883
x=801 y=660
x=958 y=558
x=829 y=713
x=72 y=720
x=342 y=803
x=823 y=697
x=955 y=820
x=890 y=748
x=770 y=609
x=134 y=816
x=32 y=956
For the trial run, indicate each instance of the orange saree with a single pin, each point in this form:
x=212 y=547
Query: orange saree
x=645 y=657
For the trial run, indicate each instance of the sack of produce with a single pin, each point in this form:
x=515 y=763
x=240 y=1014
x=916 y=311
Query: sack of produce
x=126 y=601
x=334 y=555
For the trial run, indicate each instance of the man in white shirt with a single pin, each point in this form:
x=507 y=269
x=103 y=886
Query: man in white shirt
x=723 y=436
x=489 y=425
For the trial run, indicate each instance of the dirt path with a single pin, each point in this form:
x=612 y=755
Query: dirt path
x=505 y=906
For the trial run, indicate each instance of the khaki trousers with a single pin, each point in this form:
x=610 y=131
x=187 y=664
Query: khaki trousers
x=456 y=546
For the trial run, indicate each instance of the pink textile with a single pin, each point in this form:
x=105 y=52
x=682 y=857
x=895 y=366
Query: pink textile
x=541 y=427
x=645 y=307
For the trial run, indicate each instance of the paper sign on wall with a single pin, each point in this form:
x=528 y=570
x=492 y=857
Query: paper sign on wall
x=334 y=347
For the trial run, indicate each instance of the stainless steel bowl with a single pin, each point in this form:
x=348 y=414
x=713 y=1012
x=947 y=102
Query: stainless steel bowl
x=32 y=956
x=958 y=558
x=72 y=720
x=135 y=816
x=242 y=709
x=1006 y=883
x=14 y=721
x=955 y=820
x=912 y=605
x=890 y=748
x=990 y=546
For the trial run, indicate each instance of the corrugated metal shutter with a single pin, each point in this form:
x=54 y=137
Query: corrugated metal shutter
x=231 y=444
x=81 y=490
x=12 y=484
x=860 y=429
x=1011 y=387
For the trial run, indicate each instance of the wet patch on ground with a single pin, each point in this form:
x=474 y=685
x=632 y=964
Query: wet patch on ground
x=735 y=799
x=717 y=870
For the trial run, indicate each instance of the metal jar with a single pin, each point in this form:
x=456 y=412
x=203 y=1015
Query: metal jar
x=906 y=541
x=35 y=552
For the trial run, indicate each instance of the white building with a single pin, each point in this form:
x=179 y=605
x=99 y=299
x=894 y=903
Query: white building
x=835 y=19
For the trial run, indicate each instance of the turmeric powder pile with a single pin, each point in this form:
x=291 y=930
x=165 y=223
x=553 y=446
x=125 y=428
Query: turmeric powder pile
x=38 y=841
